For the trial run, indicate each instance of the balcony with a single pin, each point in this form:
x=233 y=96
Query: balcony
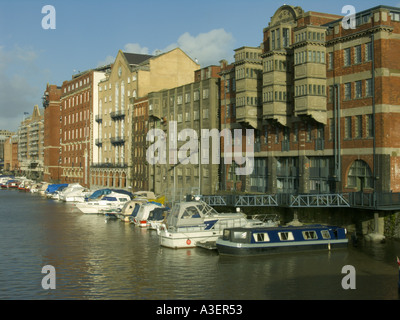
x=247 y=114
x=276 y=110
x=108 y=165
x=309 y=105
x=117 y=115
x=117 y=141
x=98 y=142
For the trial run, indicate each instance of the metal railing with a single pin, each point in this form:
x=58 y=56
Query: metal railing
x=362 y=200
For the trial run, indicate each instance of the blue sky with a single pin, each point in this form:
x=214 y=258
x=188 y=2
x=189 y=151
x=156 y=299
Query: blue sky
x=89 y=33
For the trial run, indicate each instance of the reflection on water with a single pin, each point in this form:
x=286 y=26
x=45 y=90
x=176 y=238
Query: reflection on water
x=95 y=259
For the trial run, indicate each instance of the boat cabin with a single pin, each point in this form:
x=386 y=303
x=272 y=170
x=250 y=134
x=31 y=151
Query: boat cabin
x=283 y=234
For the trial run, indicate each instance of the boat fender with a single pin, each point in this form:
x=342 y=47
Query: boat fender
x=188 y=242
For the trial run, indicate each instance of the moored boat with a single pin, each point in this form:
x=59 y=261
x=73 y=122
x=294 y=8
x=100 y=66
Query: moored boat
x=142 y=216
x=112 y=200
x=129 y=209
x=193 y=222
x=74 y=193
x=157 y=217
x=12 y=184
x=261 y=240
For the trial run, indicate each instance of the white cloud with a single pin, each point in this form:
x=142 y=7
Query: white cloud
x=107 y=60
x=135 y=48
x=208 y=48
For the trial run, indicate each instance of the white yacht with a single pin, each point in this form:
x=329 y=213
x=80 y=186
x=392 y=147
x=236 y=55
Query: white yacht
x=74 y=193
x=112 y=200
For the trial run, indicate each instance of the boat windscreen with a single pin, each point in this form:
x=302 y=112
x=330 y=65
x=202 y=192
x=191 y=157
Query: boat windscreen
x=99 y=193
x=135 y=210
x=157 y=214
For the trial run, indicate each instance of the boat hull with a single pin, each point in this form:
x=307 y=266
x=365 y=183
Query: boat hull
x=260 y=240
x=181 y=240
x=243 y=249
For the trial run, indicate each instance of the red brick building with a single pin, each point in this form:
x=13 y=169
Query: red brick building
x=52 y=133
x=140 y=119
x=325 y=106
x=78 y=104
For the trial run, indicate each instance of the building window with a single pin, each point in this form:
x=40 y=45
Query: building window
x=395 y=16
x=368 y=51
x=273 y=40
x=278 y=38
x=347 y=128
x=358 y=127
x=286 y=39
x=357 y=54
x=358 y=92
x=369 y=126
x=331 y=129
x=368 y=88
x=347 y=91
x=330 y=96
x=359 y=176
x=347 y=57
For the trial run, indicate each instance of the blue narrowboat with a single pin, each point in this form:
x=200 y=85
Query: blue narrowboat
x=266 y=240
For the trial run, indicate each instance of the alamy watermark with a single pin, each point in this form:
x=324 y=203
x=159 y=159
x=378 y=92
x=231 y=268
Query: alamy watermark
x=196 y=150
x=349 y=21
x=49 y=20
x=49 y=280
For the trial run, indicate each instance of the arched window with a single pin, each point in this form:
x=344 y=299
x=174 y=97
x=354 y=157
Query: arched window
x=360 y=176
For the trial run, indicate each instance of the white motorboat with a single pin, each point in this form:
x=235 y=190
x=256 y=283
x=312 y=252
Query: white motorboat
x=128 y=209
x=142 y=216
x=74 y=193
x=112 y=200
x=193 y=222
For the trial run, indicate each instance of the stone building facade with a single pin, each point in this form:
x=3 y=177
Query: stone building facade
x=192 y=106
x=131 y=77
x=31 y=145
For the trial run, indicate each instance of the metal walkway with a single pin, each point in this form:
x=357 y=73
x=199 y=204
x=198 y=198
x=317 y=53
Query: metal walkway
x=360 y=200
x=276 y=200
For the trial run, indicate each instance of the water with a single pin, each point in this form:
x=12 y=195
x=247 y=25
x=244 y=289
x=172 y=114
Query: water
x=95 y=259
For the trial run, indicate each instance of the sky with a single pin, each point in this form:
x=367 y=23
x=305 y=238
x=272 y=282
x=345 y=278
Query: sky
x=89 y=33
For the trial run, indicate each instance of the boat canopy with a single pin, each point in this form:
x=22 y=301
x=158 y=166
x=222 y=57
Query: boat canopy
x=157 y=214
x=123 y=192
x=54 y=187
x=129 y=206
x=144 y=194
x=189 y=213
x=99 y=193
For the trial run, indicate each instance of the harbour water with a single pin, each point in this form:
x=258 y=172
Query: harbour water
x=95 y=259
